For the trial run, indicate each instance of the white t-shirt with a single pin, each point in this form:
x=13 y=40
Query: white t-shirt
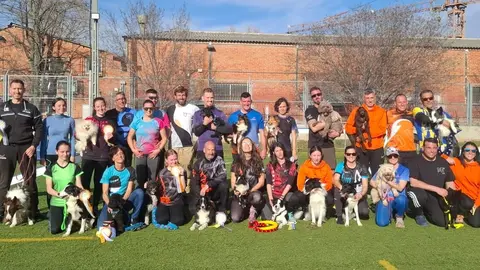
x=181 y=122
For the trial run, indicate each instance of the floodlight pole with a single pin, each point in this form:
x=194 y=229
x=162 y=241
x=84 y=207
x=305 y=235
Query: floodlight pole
x=94 y=59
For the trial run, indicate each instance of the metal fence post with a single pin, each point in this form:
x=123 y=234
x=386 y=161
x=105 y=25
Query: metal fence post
x=5 y=87
x=469 y=104
x=69 y=94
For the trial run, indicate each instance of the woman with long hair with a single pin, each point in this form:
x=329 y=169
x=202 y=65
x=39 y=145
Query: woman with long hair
x=287 y=127
x=248 y=168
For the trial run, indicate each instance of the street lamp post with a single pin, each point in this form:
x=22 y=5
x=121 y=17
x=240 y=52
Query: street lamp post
x=94 y=59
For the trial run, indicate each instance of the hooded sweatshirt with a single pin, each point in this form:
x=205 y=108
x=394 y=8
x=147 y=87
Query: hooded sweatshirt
x=467 y=179
x=322 y=171
x=377 y=123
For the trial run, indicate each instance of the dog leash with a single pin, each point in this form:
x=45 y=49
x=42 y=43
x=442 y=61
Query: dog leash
x=65 y=215
x=27 y=179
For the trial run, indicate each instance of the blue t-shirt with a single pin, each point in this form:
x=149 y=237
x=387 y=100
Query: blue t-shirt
x=118 y=180
x=401 y=174
x=124 y=119
x=256 y=123
x=349 y=176
x=57 y=128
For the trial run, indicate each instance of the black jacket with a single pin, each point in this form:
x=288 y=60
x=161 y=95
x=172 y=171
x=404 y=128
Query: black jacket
x=20 y=127
x=211 y=172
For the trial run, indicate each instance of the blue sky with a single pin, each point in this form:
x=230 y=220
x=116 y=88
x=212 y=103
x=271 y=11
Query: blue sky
x=273 y=16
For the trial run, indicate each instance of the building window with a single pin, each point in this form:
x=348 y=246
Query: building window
x=228 y=91
x=86 y=67
x=53 y=66
x=476 y=95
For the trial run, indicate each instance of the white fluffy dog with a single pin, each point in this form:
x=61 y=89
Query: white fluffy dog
x=386 y=173
x=317 y=207
x=86 y=130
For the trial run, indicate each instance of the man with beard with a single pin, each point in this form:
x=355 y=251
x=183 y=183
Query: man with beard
x=209 y=178
x=181 y=121
x=431 y=180
x=122 y=116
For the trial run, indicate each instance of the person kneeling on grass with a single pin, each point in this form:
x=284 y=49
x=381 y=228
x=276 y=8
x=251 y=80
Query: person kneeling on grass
x=118 y=179
x=466 y=169
x=399 y=204
x=57 y=177
x=170 y=213
x=280 y=176
x=247 y=169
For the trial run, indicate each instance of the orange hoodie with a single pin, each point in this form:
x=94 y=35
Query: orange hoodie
x=467 y=179
x=308 y=170
x=378 y=126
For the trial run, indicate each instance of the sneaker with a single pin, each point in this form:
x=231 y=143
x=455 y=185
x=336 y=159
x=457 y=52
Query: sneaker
x=400 y=223
x=253 y=212
x=340 y=221
x=459 y=219
x=421 y=220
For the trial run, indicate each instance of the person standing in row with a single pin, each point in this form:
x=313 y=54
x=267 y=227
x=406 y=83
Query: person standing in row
x=287 y=127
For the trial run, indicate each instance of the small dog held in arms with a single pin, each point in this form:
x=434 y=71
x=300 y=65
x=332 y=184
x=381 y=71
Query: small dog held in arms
x=438 y=116
x=240 y=129
x=362 y=126
x=332 y=119
x=85 y=131
x=386 y=173
x=152 y=191
x=17 y=207
x=205 y=214
x=279 y=213
x=242 y=187
x=272 y=128
x=78 y=208
x=116 y=215
x=317 y=207
x=351 y=205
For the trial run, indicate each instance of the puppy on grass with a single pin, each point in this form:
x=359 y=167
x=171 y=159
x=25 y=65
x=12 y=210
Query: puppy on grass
x=204 y=215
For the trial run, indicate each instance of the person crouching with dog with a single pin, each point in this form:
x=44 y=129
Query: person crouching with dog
x=118 y=179
x=350 y=177
x=209 y=178
x=396 y=197
x=57 y=176
x=280 y=177
x=466 y=169
x=314 y=167
x=172 y=180
x=247 y=182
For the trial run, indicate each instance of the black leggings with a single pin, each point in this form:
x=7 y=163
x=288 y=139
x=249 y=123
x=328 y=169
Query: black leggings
x=426 y=202
x=51 y=160
x=88 y=168
x=173 y=213
x=219 y=195
x=238 y=213
x=371 y=159
x=56 y=219
x=340 y=204
x=465 y=205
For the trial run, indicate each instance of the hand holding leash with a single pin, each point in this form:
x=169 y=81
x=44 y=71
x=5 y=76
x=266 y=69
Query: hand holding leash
x=30 y=151
x=442 y=192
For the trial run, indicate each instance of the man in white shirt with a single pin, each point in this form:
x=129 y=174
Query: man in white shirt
x=181 y=124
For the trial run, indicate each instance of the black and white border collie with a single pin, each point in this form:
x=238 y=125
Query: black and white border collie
x=279 y=213
x=152 y=190
x=205 y=214
x=351 y=204
x=242 y=187
x=76 y=209
x=317 y=207
x=17 y=207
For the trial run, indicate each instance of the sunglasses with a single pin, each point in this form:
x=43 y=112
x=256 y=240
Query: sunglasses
x=153 y=98
x=428 y=98
x=316 y=95
x=392 y=156
x=467 y=150
x=148 y=109
x=350 y=154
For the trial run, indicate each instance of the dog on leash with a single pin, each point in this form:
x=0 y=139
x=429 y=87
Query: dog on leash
x=362 y=126
x=85 y=131
x=242 y=187
x=78 y=208
x=317 y=207
x=279 y=213
x=152 y=191
x=351 y=205
x=17 y=208
x=332 y=119
x=386 y=173
x=205 y=214
x=116 y=215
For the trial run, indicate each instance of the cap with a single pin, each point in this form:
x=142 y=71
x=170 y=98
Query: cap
x=391 y=151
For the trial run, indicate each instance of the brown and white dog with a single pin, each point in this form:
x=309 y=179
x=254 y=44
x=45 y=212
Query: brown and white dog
x=240 y=129
x=272 y=128
x=17 y=207
x=386 y=173
x=86 y=130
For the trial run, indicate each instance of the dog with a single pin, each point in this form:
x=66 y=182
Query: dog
x=242 y=187
x=351 y=204
x=240 y=129
x=272 y=128
x=332 y=119
x=79 y=210
x=152 y=191
x=86 y=131
x=386 y=173
x=221 y=130
x=438 y=116
x=362 y=126
x=317 y=207
x=279 y=213
x=205 y=213
x=17 y=208
x=116 y=215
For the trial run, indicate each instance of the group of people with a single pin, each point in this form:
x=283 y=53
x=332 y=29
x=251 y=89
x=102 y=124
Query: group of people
x=161 y=146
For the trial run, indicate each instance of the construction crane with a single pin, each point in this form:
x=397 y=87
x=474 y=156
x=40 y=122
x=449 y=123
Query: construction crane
x=455 y=10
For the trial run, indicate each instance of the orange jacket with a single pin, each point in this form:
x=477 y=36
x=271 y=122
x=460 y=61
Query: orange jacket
x=467 y=179
x=308 y=170
x=403 y=139
x=378 y=126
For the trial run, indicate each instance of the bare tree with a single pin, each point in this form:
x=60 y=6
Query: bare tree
x=389 y=50
x=157 y=48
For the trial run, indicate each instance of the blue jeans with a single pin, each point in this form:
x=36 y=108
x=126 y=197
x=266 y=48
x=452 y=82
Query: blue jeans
x=135 y=202
x=383 y=213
